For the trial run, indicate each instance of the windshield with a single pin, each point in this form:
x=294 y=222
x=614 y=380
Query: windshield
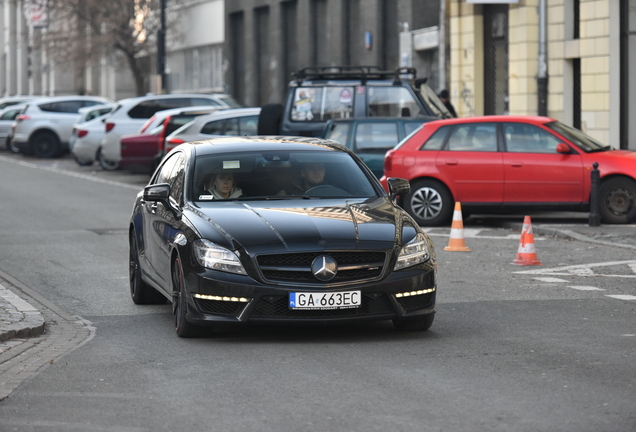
x=434 y=102
x=582 y=140
x=316 y=104
x=230 y=102
x=280 y=175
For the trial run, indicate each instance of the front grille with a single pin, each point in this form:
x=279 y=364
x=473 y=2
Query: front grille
x=416 y=302
x=278 y=307
x=219 y=307
x=297 y=267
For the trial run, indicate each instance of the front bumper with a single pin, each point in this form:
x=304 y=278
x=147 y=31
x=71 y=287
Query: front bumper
x=240 y=299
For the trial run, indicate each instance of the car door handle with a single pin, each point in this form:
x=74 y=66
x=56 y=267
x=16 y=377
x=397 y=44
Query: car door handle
x=516 y=164
x=451 y=162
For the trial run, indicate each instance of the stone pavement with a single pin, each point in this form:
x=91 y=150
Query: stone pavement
x=18 y=319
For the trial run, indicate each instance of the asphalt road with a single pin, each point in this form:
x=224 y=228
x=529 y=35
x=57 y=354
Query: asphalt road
x=552 y=349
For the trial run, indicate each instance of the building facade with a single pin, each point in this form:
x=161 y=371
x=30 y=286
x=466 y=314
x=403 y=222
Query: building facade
x=583 y=50
x=267 y=40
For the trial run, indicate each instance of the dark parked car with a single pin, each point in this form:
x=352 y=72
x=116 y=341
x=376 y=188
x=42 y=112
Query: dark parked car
x=337 y=251
x=370 y=138
x=318 y=94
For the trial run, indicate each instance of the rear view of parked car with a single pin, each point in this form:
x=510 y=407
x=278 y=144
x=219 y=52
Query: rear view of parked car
x=88 y=132
x=142 y=152
x=45 y=125
x=233 y=122
x=131 y=114
x=371 y=137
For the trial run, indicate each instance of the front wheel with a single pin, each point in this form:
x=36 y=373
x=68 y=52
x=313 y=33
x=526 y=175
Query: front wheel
x=12 y=147
x=182 y=326
x=140 y=291
x=429 y=202
x=617 y=200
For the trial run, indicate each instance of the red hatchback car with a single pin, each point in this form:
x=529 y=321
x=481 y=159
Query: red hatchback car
x=495 y=164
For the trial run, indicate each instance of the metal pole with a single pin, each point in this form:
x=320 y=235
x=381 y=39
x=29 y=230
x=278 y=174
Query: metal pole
x=595 y=218
x=542 y=75
x=161 y=48
x=442 y=46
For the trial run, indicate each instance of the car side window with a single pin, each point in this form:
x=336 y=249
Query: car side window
x=526 y=138
x=164 y=174
x=476 y=137
x=178 y=180
x=143 y=110
x=391 y=101
x=10 y=114
x=231 y=127
x=248 y=125
x=213 y=128
x=436 y=141
x=376 y=136
x=339 y=132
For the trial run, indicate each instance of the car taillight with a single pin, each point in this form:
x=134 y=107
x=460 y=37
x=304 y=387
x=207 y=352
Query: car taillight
x=22 y=117
x=82 y=133
x=172 y=143
x=109 y=126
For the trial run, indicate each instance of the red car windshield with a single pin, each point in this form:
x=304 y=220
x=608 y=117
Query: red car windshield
x=582 y=140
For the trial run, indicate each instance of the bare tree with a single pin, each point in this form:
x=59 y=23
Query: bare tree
x=84 y=30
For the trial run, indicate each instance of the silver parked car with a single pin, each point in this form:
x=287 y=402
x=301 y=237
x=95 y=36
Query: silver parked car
x=231 y=122
x=44 y=127
x=7 y=118
x=88 y=132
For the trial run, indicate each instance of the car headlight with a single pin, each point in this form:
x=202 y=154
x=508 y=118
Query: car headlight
x=412 y=253
x=216 y=257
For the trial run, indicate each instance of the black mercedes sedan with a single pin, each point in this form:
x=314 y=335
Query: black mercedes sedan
x=278 y=230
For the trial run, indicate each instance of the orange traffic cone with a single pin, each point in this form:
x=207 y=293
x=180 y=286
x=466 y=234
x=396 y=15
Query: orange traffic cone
x=457 y=242
x=526 y=254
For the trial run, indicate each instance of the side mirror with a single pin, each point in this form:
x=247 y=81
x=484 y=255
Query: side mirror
x=398 y=186
x=563 y=148
x=157 y=192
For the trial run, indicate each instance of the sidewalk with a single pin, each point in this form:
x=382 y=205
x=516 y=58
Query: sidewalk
x=18 y=319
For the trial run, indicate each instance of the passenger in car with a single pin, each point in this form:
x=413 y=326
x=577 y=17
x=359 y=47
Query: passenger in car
x=222 y=186
x=312 y=174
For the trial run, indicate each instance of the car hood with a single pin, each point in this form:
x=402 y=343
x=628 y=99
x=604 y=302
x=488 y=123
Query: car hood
x=302 y=224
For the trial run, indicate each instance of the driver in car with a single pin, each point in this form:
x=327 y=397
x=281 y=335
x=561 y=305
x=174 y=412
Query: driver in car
x=312 y=174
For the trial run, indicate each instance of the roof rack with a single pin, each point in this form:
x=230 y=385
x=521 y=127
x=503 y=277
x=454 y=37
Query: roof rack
x=363 y=73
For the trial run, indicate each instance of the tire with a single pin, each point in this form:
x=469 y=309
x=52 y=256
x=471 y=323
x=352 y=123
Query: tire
x=269 y=120
x=430 y=203
x=82 y=162
x=421 y=323
x=140 y=291
x=105 y=164
x=182 y=326
x=11 y=147
x=617 y=200
x=46 y=145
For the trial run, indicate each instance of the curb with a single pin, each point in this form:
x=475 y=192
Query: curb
x=24 y=320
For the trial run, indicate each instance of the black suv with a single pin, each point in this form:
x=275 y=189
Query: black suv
x=319 y=94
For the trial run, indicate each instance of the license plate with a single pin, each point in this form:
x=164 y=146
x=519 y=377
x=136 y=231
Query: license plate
x=322 y=301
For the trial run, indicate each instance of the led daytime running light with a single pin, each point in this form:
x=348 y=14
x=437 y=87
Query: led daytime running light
x=219 y=298
x=414 y=293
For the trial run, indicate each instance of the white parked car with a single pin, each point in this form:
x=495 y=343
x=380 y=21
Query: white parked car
x=88 y=132
x=44 y=126
x=7 y=118
x=131 y=114
x=231 y=122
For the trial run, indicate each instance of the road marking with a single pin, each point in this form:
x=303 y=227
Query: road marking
x=585 y=288
x=582 y=269
x=550 y=279
x=622 y=297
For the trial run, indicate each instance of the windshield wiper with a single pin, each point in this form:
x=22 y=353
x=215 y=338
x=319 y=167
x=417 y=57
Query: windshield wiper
x=602 y=149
